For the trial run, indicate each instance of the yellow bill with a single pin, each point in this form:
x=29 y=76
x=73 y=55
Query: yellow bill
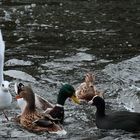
x=75 y=99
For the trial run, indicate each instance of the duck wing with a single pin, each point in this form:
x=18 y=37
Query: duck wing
x=50 y=126
x=36 y=122
x=43 y=122
x=48 y=116
x=42 y=104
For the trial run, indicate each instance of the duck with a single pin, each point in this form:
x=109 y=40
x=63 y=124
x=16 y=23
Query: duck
x=55 y=111
x=33 y=120
x=124 y=120
x=5 y=95
x=40 y=102
x=87 y=90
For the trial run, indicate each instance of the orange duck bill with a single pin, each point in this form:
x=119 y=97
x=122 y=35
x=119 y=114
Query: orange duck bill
x=18 y=97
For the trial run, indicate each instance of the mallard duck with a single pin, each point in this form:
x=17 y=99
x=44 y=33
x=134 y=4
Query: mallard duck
x=33 y=120
x=41 y=103
x=87 y=90
x=55 y=111
x=5 y=96
x=125 y=120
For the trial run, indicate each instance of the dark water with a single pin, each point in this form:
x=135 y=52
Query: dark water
x=49 y=43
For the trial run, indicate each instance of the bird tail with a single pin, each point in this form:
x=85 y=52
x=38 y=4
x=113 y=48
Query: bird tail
x=57 y=129
x=2 y=45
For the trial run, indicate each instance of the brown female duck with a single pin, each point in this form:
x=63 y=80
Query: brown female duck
x=40 y=103
x=87 y=90
x=33 y=120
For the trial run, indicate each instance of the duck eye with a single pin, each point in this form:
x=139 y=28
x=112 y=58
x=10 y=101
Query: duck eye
x=2 y=85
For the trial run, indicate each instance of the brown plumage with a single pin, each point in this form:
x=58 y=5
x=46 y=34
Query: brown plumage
x=31 y=119
x=87 y=90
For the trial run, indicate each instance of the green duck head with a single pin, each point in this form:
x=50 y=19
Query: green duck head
x=66 y=91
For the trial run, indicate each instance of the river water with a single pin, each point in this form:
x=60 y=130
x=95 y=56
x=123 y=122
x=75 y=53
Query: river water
x=51 y=42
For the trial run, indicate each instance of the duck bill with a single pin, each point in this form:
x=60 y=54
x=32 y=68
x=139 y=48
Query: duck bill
x=75 y=99
x=18 y=97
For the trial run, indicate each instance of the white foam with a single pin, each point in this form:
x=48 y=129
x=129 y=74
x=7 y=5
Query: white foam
x=61 y=132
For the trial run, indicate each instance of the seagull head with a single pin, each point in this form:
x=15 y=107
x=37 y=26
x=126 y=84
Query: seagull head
x=5 y=85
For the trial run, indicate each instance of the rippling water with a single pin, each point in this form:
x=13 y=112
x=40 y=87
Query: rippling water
x=49 y=43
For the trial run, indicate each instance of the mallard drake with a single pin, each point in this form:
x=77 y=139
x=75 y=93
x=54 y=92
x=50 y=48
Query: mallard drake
x=55 y=111
x=125 y=120
x=5 y=96
x=33 y=120
x=87 y=90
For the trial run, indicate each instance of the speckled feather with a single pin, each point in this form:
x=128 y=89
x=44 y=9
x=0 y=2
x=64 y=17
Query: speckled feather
x=87 y=90
x=27 y=122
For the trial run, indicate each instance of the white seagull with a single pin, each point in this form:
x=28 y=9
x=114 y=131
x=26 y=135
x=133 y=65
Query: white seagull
x=5 y=96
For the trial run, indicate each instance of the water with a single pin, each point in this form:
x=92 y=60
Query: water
x=49 y=43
